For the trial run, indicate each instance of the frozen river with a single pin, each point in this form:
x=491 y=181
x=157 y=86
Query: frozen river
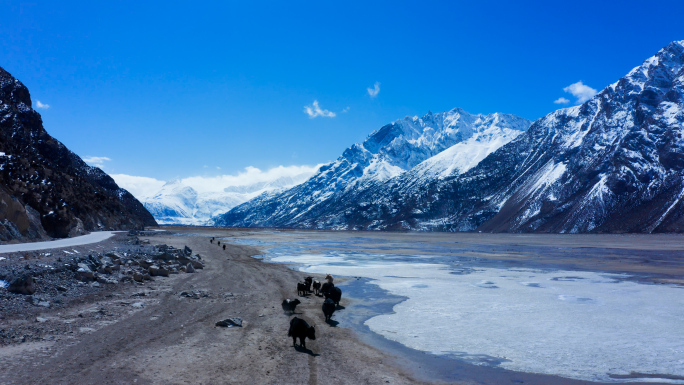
x=578 y=324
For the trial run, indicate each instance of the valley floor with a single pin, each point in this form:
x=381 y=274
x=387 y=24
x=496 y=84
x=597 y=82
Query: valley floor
x=171 y=339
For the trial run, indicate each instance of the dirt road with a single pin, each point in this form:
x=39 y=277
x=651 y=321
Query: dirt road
x=150 y=334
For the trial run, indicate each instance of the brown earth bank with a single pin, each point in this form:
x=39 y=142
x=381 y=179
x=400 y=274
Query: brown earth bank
x=163 y=330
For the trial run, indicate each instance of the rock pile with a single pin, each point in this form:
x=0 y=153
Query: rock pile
x=114 y=267
x=48 y=284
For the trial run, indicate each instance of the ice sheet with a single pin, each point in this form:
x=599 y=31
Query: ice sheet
x=575 y=324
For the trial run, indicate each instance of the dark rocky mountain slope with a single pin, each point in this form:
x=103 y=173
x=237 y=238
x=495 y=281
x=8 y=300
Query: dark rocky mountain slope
x=45 y=189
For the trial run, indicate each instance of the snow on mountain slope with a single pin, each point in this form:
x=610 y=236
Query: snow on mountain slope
x=385 y=155
x=491 y=134
x=178 y=202
x=612 y=164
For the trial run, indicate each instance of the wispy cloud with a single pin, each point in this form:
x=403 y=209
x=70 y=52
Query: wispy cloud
x=345 y=110
x=581 y=91
x=315 y=110
x=41 y=105
x=97 y=161
x=373 y=92
x=561 y=100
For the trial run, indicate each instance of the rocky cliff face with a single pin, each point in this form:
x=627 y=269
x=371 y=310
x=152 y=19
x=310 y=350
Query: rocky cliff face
x=47 y=190
x=612 y=164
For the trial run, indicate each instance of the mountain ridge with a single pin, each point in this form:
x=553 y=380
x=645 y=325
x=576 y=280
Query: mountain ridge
x=386 y=153
x=50 y=191
x=612 y=164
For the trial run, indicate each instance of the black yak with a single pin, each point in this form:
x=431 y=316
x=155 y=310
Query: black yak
x=307 y=282
x=328 y=308
x=325 y=288
x=335 y=293
x=300 y=329
x=301 y=289
x=316 y=287
x=289 y=305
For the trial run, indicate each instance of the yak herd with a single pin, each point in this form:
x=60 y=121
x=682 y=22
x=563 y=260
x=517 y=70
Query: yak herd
x=298 y=327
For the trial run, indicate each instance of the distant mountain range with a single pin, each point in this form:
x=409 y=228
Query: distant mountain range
x=47 y=190
x=180 y=203
x=613 y=164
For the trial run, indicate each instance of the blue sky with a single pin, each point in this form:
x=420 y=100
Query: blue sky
x=179 y=89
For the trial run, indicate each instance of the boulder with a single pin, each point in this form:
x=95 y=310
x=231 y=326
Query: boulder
x=189 y=268
x=23 y=284
x=195 y=294
x=137 y=277
x=146 y=263
x=114 y=256
x=156 y=271
x=83 y=273
x=40 y=302
x=108 y=281
x=187 y=251
x=230 y=322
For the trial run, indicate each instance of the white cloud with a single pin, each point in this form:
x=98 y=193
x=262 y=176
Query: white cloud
x=315 y=110
x=41 y=105
x=581 y=91
x=249 y=176
x=144 y=187
x=140 y=186
x=561 y=100
x=97 y=161
x=345 y=110
x=373 y=92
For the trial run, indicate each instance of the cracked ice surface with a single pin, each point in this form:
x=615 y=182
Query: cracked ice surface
x=575 y=324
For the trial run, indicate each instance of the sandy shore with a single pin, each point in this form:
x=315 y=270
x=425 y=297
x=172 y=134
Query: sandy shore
x=173 y=339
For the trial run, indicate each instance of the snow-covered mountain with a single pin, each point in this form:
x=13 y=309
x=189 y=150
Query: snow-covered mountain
x=177 y=202
x=432 y=147
x=612 y=164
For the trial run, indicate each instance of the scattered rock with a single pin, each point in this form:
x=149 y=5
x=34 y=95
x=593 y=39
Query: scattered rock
x=138 y=305
x=41 y=319
x=39 y=302
x=189 y=268
x=24 y=284
x=230 y=322
x=156 y=271
x=195 y=294
x=83 y=273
